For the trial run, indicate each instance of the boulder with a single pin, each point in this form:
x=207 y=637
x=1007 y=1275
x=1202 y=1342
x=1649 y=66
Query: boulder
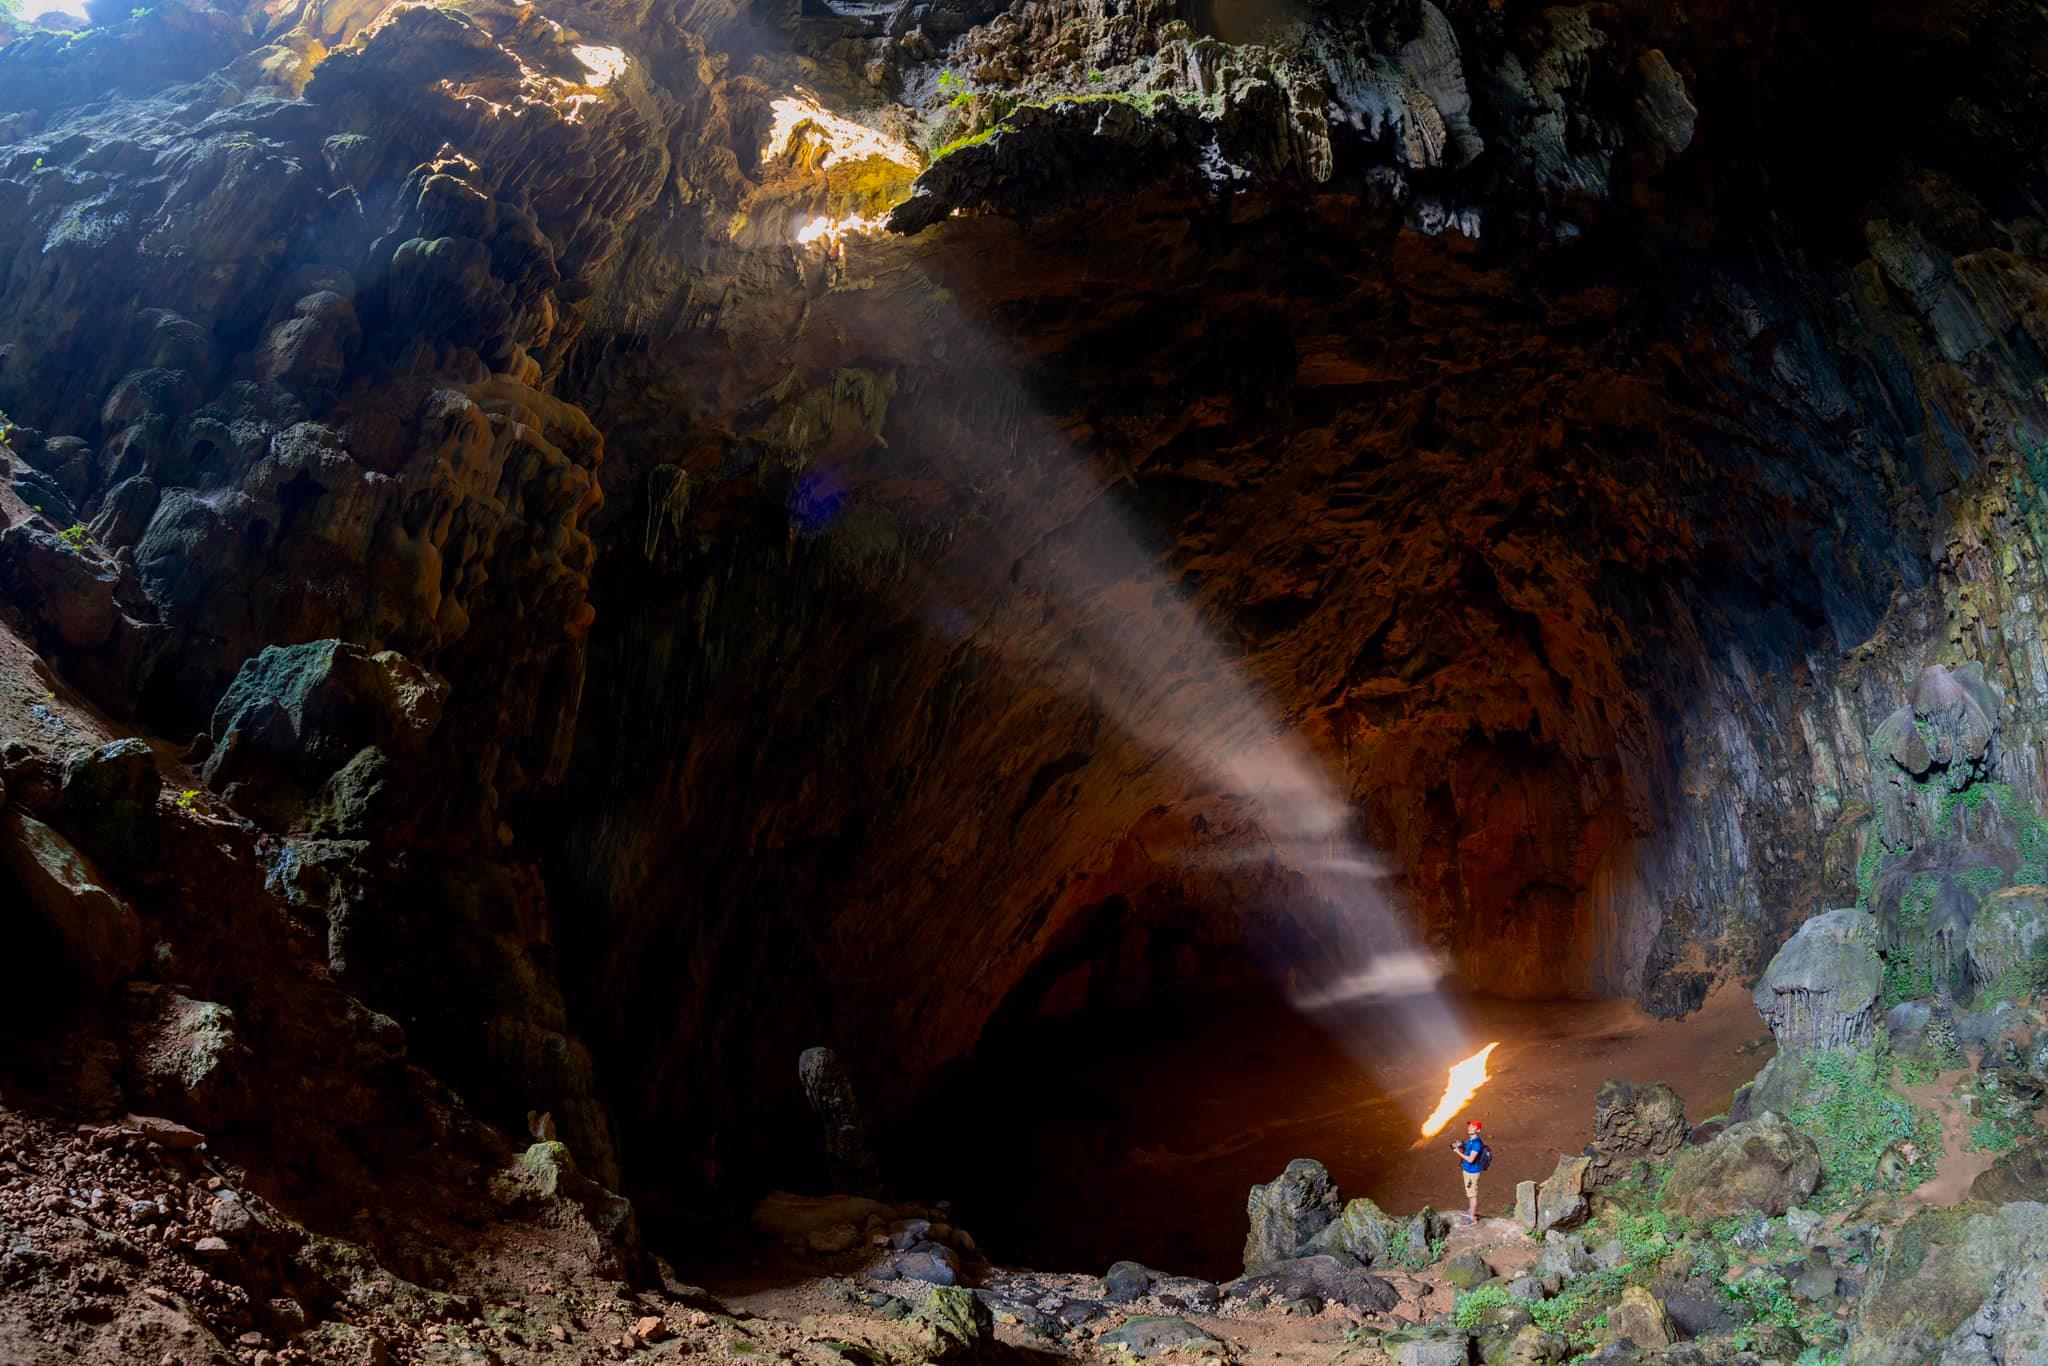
x=1364 y=1231
x=1561 y=1199
x=1817 y=1280
x=2021 y=1174
x=1525 y=1204
x=1762 y=1164
x=956 y=1326
x=1321 y=1278
x=1466 y=1270
x=296 y=715
x=1287 y=1213
x=99 y=932
x=1150 y=1336
x=1632 y=1124
x=1822 y=988
x=1957 y=1285
x=1526 y=1345
x=1427 y=1347
x=2008 y=939
x=1124 y=1282
x=1564 y=1256
x=793 y=1218
x=1421 y=1238
x=108 y=804
x=191 y=1058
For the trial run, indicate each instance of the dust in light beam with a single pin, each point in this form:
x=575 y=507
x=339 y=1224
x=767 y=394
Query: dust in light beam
x=1465 y=1080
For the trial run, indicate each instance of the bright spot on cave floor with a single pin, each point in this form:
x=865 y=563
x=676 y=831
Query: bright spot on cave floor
x=1464 y=1082
x=605 y=64
x=843 y=139
x=1095 y=1138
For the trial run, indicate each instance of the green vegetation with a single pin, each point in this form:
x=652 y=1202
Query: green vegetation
x=1999 y=1134
x=1474 y=1306
x=76 y=536
x=1855 y=1118
x=188 y=799
x=1146 y=102
x=1406 y=1256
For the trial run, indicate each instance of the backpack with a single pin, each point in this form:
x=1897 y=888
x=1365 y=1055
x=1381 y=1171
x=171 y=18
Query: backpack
x=1485 y=1155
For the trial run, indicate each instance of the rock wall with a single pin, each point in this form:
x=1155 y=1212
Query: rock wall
x=1578 y=429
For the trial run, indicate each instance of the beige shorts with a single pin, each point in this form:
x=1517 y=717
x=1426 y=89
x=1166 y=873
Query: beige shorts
x=1471 y=1184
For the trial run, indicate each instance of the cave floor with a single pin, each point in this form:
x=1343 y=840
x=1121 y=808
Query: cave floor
x=1153 y=1136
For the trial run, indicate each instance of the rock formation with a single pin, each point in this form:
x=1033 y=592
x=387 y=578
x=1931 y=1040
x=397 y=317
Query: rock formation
x=647 y=510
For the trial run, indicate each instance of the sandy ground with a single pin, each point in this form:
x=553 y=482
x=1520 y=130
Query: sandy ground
x=1152 y=1141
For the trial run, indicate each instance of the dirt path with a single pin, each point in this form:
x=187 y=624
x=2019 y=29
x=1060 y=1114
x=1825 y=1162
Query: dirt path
x=1957 y=1167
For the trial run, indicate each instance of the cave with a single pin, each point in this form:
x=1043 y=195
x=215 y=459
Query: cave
x=845 y=681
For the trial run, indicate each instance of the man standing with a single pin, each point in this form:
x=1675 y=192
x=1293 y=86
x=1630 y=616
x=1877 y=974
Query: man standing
x=1468 y=1158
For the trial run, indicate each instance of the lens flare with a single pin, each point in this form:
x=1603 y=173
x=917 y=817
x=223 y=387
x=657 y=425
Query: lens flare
x=1465 y=1080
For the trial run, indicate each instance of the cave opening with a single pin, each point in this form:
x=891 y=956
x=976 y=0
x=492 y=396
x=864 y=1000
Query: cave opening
x=853 y=661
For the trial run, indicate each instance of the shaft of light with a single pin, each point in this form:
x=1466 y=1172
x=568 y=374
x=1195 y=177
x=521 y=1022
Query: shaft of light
x=1465 y=1080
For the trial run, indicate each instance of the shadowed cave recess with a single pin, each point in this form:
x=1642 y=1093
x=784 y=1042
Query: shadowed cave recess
x=1148 y=574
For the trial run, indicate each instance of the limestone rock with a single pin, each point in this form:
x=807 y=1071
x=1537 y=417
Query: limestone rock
x=956 y=1325
x=1466 y=1270
x=191 y=1057
x=109 y=804
x=1561 y=1199
x=2018 y=1175
x=1632 y=1124
x=1949 y=725
x=297 y=715
x=1124 y=1282
x=1155 y=1336
x=1822 y=988
x=1287 y=1213
x=1527 y=1345
x=1564 y=1256
x=99 y=932
x=1320 y=1279
x=1364 y=1231
x=2008 y=940
x=1525 y=1205
x=1960 y=1285
x=1762 y=1165
x=848 y=1155
x=1422 y=1347
x=1641 y=1318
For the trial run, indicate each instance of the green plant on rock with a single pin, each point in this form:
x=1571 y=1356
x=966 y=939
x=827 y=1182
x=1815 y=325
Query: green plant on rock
x=1474 y=1306
x=188 y=799
x=1853 y=1115
x=76 y=536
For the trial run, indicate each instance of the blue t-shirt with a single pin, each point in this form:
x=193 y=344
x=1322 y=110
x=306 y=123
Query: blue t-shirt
x=1469 y=1150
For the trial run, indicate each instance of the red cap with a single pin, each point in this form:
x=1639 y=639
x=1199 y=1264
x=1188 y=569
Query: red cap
x=1475 y=1124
